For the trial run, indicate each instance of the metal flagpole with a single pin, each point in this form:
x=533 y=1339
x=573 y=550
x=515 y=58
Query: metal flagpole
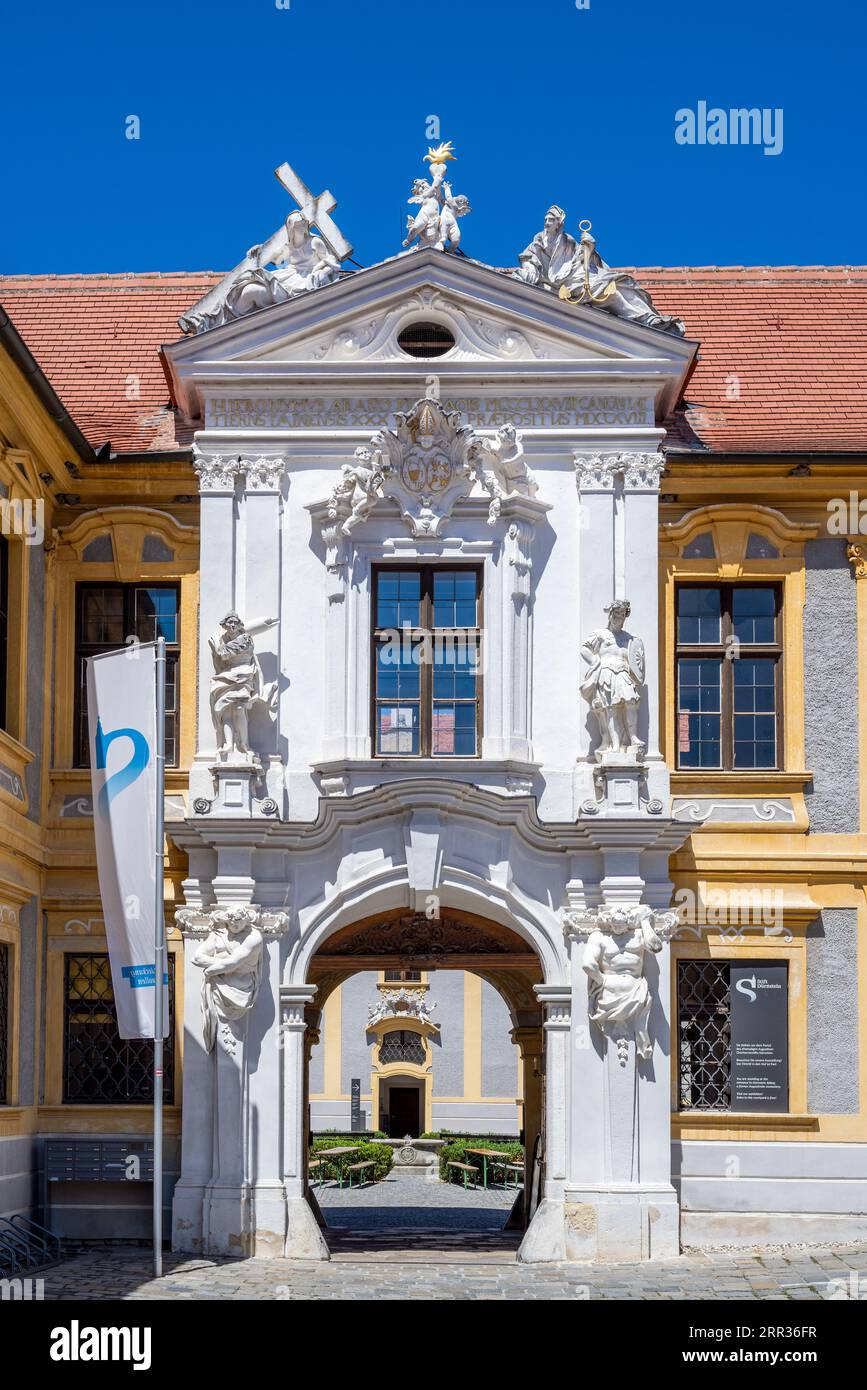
x=159 y=958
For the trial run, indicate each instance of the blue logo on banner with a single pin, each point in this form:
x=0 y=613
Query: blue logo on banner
x=141 y=976
x=126 y=775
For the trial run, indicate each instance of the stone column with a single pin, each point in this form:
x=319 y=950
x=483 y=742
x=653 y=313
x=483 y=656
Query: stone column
x=531 y=1046
x=231 y=1130
x=343 y=639
x=303 y=1238
x=619 y=559
x=263 y=1160
x=260 y=591
x=620 y=1202
x=545 y=1238
x=197 y=1152
x=217 y=476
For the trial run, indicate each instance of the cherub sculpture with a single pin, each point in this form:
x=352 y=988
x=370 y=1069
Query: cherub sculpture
x=360 y=482
x=436 y=222
x=503 y=468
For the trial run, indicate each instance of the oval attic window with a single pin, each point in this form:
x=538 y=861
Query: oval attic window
x=425 y=339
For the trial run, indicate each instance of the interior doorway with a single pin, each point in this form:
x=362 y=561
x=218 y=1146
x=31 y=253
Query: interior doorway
x=403 y=1109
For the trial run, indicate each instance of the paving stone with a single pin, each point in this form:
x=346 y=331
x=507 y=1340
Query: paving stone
x=409 y=1239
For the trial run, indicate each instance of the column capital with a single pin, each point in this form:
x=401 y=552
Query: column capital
x=530 y=1041
x=262 y=472
x=856 y=554
x=557 y=1003
x=215 y=472
x=294 y=999
x=616 y=920
x=197 y=922
x=641 y=472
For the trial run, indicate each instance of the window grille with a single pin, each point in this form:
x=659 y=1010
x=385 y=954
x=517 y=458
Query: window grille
x=704 y=1035
x=402 y=1045
x=4 y=1020
x=99 y=1067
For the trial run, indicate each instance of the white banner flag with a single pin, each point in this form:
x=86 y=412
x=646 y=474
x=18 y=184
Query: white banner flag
x=121 y=707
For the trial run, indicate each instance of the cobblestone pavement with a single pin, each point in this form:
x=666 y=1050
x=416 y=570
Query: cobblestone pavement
x=410 y=1239
x=126 y=1274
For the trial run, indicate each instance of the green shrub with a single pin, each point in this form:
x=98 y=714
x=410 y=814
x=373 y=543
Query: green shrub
x=455 y=1151
x=381 y=1154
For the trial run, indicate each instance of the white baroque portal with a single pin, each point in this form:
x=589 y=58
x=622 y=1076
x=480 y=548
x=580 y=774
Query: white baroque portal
x=538 y=826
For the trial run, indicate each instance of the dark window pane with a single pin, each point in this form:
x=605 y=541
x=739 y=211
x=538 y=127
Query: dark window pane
x=102 y=617
x=155 y=614
x=698 y=615
x=699 y=733
x=753 y=614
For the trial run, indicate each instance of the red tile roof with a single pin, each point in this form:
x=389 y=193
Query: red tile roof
x=783 y=361
x=783 y=365
x=97 y=339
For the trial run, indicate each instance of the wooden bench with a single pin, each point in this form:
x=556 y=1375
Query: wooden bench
x=359 y=1168
x=465 y=1169
x=316 y=1170
x=517 y=1169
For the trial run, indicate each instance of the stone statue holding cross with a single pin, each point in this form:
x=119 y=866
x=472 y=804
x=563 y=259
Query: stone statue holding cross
x=302 y=260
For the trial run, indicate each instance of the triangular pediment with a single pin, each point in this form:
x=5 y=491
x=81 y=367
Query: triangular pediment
x=346 y=330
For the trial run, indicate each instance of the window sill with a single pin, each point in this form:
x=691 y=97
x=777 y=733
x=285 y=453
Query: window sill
x=345 y=776
x=15 y=758
x=742 y=1119
x=747 y=779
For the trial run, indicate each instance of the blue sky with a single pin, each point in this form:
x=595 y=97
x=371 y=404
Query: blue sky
x=544 y=102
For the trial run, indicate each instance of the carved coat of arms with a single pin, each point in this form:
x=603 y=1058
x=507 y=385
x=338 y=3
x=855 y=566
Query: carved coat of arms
x=429 y=463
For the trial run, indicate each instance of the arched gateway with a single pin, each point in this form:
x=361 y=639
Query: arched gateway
x=428 y=696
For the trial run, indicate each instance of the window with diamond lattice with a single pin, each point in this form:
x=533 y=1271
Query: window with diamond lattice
x=704 y=1035
x=99 y=1067
x=402 y=1045
x=4 y=1020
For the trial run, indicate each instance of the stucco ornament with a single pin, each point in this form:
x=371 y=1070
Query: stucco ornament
x=554 y=260
x=405 y=1003
x=618 y=939
x=230 y=956
x=426 y=463
x=436 y=222
x=503 y=468
x=237 y=685
x=360 y=484
x=613 y=685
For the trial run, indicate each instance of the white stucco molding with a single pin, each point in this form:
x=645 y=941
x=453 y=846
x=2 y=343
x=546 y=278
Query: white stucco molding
x=616 y=941
x=219 y=473
x=262 y=472
x=215 y=472
x=640 y=472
